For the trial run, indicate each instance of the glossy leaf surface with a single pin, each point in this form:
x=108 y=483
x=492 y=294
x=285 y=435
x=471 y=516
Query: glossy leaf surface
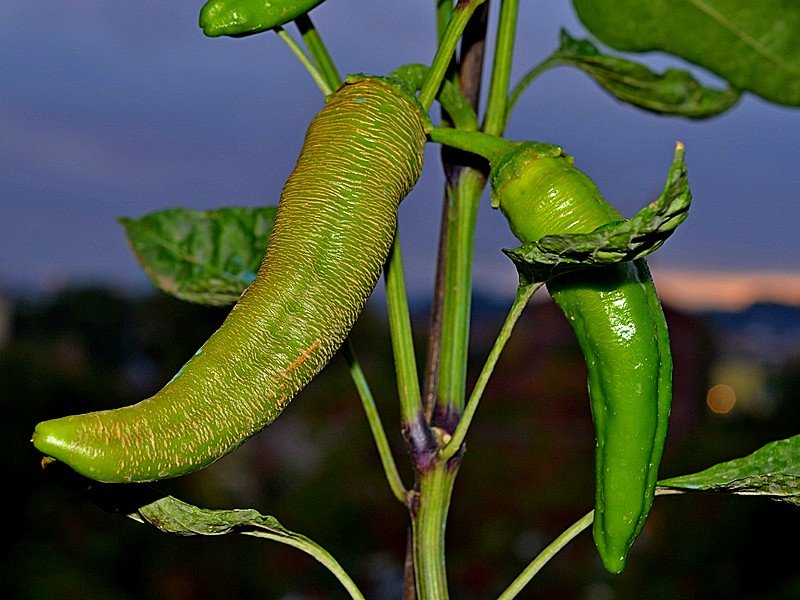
x=753 y=45
x=773 y=471
x=673 y=92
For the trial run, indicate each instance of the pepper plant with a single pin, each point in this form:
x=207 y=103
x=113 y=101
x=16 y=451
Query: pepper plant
x=334 y=230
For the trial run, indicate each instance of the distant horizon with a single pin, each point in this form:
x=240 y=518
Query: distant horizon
x=697 y=289
x=692 y=290
x=714 y=289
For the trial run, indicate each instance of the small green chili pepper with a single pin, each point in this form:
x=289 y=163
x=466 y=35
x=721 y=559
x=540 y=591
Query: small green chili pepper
x=334 y=227
x=617 y=318
x=245 y=17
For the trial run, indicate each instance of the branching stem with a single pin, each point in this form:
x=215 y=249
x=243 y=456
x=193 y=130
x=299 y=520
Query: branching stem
x=375 y=424
x=545 y=555
x=319 y=52
x=309 y=65
x=524 y=294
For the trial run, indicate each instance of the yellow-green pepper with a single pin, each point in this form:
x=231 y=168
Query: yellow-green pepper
x=333 y=231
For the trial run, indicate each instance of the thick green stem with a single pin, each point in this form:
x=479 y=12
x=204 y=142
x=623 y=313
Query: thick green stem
x=464 y=198
x=435 y=478
x=524 y=294
x=318 y=50
x=544 y=556
x=429 y=521
x=463 y=210
x=464 y=73
x=375 y=424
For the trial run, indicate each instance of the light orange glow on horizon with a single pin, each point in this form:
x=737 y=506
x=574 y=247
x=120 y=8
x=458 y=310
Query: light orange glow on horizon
x=690 y=290
x=700 y=290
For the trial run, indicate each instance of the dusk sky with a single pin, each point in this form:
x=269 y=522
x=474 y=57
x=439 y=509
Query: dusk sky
x=120 y=109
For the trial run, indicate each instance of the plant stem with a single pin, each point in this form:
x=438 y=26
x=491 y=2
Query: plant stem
x=545 y=555
x=319 y=52
x=473 y=44
x=444 y=10
x=495 y=120
x=457 y=111
x=409 y=581
x=465 y=195
x=435 y=478
x=402 y=339
x=490 y=147
x=320 y=554
x=431 y=373
x=524 y=294
x=435 y=489
x=464 y=198
x=304 y=60
x=447 y=47
x=467 y=72
x=375 y=424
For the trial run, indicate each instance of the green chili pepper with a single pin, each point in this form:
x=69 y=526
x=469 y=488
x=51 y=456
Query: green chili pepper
x=617 y=318
x=244 y=17
x=334 y=228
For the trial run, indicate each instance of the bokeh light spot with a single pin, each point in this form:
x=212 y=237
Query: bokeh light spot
x=721 y=398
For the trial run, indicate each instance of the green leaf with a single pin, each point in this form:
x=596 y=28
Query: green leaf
x=615 y=242
x=208 y=257
x=177 y=517
x=148 y=505
x=754 y=45
x=674 y=92
x=773 y=471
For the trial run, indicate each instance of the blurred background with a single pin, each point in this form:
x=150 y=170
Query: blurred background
x=111 y=110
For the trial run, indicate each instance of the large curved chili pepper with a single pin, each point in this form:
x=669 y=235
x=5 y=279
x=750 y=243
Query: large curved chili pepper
x=334 y=228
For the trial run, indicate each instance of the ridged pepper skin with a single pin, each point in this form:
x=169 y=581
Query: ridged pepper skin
x=333 y=232
x=618 y=321
x=238 y=18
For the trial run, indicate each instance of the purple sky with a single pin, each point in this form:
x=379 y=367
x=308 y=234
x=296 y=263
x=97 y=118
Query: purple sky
x=119 y=109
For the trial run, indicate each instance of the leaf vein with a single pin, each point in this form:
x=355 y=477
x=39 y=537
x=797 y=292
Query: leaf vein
x=758 y=47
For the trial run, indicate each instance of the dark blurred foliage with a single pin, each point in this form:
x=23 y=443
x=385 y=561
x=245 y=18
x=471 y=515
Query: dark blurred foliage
x=526 y=476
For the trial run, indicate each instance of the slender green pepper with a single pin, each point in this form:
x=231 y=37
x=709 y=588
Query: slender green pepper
x=238 y=18
x=617 y=318
x=333 y=231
